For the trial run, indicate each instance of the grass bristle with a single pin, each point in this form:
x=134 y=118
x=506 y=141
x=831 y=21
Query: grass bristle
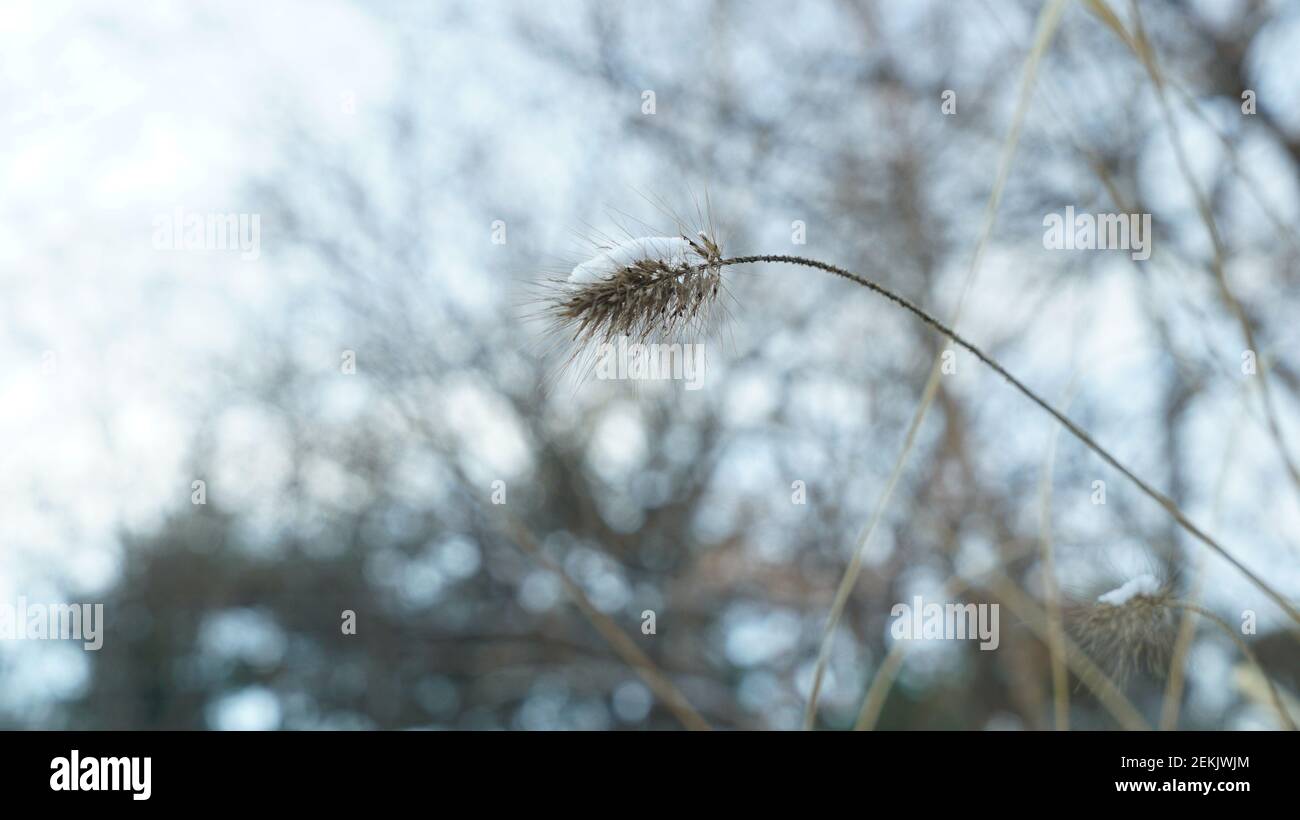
x=1135 y=636
x=650 y=298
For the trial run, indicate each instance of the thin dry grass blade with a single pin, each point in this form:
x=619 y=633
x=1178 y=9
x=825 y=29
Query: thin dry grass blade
x=1141 y=46
x=1173 y=698
x=1092 y=676
x=1246 y=651
x=874 y=702
x=1056 y=626
x=1048 y=20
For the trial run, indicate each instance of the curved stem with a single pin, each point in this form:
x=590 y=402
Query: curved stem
x=1075 y=430
x=1245 y=650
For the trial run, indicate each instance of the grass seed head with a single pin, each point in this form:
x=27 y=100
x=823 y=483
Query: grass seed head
x=644 y=288
x=1130 y=629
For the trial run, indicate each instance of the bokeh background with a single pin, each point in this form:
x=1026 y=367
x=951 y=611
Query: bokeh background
x=384 y=147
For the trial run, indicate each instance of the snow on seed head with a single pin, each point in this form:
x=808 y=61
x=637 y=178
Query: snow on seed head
x=650 y=286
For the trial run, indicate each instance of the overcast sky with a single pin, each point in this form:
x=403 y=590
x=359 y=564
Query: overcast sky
x=116 y=114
